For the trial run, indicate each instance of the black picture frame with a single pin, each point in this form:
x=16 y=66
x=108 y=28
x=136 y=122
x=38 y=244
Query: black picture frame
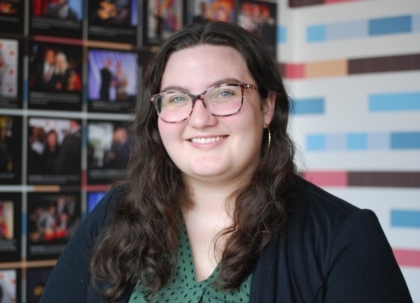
x=11 y=72
x=11 y=149
x=55 y=76
x=12 y=16
x=10 y=227
x=114 y=21
x=50 y=18
x=54 y=148
x=108 y=150
x=51 y=221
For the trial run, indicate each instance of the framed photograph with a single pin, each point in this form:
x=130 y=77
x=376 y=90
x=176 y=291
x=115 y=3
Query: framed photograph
x=108 y=151
x=213 y=10
x=12 y=15
x=260 y=18
x=162 y=18
x=51 y=221
x=11 y=71
x=59 y=18
x=113 y=20
x=10 y=149
x=10 y=285
x=10 y=227
x=54 y=151
x=112 y=80
x=93 y=198
x=55 y=76
x=36 y=279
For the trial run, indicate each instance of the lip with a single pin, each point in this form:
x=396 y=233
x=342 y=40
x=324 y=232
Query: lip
x=207 y=141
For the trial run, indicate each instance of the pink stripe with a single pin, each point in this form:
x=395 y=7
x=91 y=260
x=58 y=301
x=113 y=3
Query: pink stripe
x=406 y=257
x=338 y=1
x=90 y=188
x=295 y=71
x=327 y=178
x=58 y=40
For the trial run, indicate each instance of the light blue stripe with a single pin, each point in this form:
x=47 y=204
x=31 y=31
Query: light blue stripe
x=309 y=106
x=392 y=25
x=336 y=142
x=415 y=23
x=394 y=102
x=405 y=218
x=379 y=141
x=405 y=140
x=357 y=141
x=315 y=142
x=281 y=34
x=315 y=33
x=347 y=30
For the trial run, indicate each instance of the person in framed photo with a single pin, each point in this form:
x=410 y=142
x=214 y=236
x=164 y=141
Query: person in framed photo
x=61 y=10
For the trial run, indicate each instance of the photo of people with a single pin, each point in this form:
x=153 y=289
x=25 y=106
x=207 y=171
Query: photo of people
x=164 y=18
x=49 y=16
x=55 y=76
x=10 y=149
x=113 y=77
x=214 y=10
x=6 y=221
x=9 y=286
x=113 y=20
x=11 y=16
x=9 y=73
x=60 y=9
x=54 y=151
x=93 y=199
x=259 y=18
x=52 y=220
x=36 y=279
x=10 y=227
x=108 y=151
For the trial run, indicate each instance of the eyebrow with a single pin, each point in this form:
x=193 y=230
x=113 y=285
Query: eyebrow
x=218 y=82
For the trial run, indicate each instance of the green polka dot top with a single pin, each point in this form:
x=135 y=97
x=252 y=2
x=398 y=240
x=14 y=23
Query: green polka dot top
x=182 y=287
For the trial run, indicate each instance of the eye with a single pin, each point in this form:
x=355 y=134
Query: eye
x=224 y=94
x=177 y=98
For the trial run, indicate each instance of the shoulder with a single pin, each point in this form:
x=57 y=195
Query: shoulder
x=328 y=249
x=313 y=209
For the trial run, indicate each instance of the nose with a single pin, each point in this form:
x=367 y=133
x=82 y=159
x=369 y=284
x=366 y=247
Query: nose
x=201 y=116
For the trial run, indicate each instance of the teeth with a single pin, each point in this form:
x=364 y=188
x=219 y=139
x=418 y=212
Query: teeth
x=206 y=140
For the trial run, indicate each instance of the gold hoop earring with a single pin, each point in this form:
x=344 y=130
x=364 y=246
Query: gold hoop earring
x=269 y=137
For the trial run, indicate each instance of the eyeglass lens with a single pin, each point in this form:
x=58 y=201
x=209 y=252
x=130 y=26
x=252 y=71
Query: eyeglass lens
x=220 y=101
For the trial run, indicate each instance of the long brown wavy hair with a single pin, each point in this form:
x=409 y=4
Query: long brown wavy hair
x=140 y=243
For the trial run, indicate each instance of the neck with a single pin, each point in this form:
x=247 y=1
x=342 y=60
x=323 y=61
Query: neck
x=210 y=201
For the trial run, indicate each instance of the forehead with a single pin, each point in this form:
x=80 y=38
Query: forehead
x=199 y=66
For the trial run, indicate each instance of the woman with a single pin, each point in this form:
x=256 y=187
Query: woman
x=211 y=210
x=50 y=155
x=61 y=72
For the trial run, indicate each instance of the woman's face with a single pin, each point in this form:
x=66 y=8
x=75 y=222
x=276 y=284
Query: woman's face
x=52 y=140
x=207 y=148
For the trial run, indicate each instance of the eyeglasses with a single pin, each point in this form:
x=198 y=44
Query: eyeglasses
x=221 y=101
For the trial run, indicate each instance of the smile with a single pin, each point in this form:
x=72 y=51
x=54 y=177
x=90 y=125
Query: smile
x=206 y=140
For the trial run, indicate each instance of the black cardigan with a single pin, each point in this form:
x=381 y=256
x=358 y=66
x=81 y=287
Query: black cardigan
x=331 y=252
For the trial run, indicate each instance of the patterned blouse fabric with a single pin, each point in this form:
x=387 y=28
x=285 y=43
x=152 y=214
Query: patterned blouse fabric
x=182 y=287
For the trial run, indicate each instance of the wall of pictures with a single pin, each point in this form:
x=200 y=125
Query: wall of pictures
x=69 y=77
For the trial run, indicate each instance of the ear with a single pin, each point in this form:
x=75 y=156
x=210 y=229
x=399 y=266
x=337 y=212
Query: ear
x=268 y=108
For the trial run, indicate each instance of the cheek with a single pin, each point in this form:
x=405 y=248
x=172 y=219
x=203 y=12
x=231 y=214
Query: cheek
x=170 y=134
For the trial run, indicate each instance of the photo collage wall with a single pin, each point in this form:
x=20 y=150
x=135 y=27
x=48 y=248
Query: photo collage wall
x=70 y=74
